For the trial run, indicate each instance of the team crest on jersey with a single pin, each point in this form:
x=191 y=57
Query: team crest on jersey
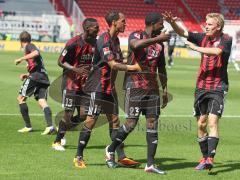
x=64 y=52
x=154 y=51
x=205 y=56
x=106 y=50
x=215 y=44
x=137 y=35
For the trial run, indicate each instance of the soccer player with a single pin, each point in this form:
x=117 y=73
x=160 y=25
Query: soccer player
x=36 y=82
x=171 y=45
x=100 y=83
x=142 y=89
x=212 y=81
x=76 y=61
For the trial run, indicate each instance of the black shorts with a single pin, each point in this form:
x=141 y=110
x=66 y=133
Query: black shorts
x=31 y=87
x=73 y=99
x=101 y=103
x=208 y=103
x=143 y=101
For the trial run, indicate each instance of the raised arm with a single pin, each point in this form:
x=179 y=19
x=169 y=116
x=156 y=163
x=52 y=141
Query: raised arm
x=172 y=21
x=142 y=43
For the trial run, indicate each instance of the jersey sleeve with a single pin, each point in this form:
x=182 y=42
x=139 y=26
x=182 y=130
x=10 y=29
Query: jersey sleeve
x=226 y=45
x=105 y=50
x=30 y=48
x=134 y=35
x=195 y=38
x=68 y=53
x=119 y=57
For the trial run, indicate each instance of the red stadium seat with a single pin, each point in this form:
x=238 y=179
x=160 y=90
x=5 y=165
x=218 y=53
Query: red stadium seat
x=134 y=10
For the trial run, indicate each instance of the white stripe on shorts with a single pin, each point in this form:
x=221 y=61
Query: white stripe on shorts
x=63 y=98
x=127 y=99
x=92 y=101
x=25 y=86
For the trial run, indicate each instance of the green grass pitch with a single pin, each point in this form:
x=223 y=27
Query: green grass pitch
x=29 y=156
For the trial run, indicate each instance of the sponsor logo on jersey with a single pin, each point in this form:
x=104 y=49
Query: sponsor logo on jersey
x=86 y=57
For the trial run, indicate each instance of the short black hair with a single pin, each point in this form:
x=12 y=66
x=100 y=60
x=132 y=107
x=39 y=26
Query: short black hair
x=111 y=16
x=152 y=18
x=87 y=22
x=25 y=37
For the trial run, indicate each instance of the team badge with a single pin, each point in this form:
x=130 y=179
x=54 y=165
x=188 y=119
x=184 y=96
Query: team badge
x=106 y=50
x=215 y=44
x=64 y=52
x=137 y=35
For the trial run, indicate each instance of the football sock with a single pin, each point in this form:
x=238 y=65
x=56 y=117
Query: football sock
x=76 y=120
x=84 y=137
x=25 y=115
x=212 y=146
x=61 y=131
x=48 y=116
x=203 y=143
x=152 y=142
x=119 y=149
x=120 y=137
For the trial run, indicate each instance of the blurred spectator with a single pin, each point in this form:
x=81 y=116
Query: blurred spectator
x=6 y=13
x=8 y=37
x=72 y=30
x=1 y=13
x=237 y=12
x=171 y=45
x=224 y=9
x=149 y=1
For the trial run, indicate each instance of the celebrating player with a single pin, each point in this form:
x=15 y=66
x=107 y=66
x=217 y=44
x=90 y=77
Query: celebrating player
x=212 y=81
x=100 y=83
x=76 y=61
x=142 y=90
x=36 y=82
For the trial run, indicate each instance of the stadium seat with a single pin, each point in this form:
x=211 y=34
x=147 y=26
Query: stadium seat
x=135 y=11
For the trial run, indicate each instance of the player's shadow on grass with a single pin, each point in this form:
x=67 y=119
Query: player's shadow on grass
x=102 y=146
x=97 y=164
x=70 y=147
x=225 y=167
x=37 y=130
x=88 y=147
x=175 y=163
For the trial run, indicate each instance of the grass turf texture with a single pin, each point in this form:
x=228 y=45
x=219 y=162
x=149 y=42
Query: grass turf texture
x=29 y=156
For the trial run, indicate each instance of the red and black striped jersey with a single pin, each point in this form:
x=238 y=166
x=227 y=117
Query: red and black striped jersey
x=151 y=57
x=78 y=53
x=35 y=66
x=102 y=77
x=212 y=73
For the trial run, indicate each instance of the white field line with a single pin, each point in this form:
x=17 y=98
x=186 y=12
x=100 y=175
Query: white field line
x=166 y=115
